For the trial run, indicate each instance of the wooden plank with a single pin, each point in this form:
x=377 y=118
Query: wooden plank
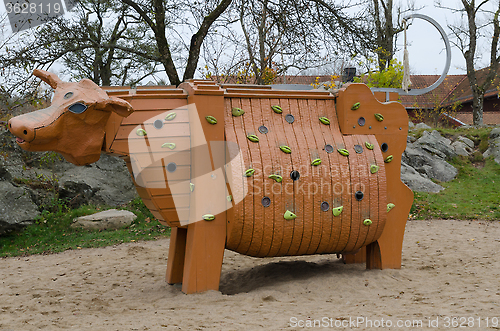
x=149 y=102
x=139 y=117
x=176 y=255
x=170 y=130
x=172 y=201
x=356 y=221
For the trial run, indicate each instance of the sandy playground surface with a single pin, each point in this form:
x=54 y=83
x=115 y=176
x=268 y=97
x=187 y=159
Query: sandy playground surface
x=450 y=269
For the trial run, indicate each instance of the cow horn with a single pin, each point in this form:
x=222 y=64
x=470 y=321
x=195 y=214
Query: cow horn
x=48 y=77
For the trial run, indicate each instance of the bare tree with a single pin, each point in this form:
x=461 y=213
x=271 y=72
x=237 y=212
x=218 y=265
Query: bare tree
x=480 y=25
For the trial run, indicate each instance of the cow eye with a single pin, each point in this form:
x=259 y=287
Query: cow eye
x=77 y=108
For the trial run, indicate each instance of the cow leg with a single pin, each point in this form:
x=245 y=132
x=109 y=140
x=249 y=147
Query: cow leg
x=205 y=244
x=176 y=255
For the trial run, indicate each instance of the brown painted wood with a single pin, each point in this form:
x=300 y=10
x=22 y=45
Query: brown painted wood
x=356 y=221
x=176 y=255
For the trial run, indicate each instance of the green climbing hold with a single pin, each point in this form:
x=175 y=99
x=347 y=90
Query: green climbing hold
x=388 y=159
x=229 y=198
x=253 y=138
x=324 y=120
x=141 y=132
x=390 y=206
x=367 y=222
x=277 y=109
x=170 y=116
x=249 y=172
x=208 y=217
x=277 y=178
x=368 y=145
x=356 y=106
x=211 y=119
x=343 y=151
x=289 y=215
x=237 y=111
x=316 y=162
x=285 y=149
x=191 y=187
x=379 y=117
x=337 y=211
x=168 y=145
x=374 y=168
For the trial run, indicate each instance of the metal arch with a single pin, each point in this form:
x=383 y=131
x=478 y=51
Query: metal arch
x=446 y=67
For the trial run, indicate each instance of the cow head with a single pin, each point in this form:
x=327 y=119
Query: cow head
x=74 y=123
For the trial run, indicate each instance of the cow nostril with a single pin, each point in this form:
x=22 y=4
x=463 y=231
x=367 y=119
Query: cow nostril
x=25 y=132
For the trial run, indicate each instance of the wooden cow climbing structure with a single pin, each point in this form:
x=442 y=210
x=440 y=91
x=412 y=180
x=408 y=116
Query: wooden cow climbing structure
x=321 y=171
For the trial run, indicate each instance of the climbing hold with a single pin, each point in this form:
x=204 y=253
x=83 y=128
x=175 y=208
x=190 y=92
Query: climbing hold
x=390 y=206
x=374 y=168
x=388 y=159
x=379 y=117
x=191 y=187
x=337 y=211
x=168 y=145
x=343 y=151
x=277 y=109
x=324 y=120
x=253 y=138
x=170 y=116
x=208 y=217
x=368 y=145
x=249 y=172
x=358 y=149
x=211 y=119
x=237 y=111
x=229 y=198
x=277 y=178
x=316 y=162
x=356 y=106
x=141 y=132
x=289 y=215
x=367 y=222
x=285 y=149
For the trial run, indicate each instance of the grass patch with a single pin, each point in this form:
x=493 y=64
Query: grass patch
x=52 y=232
x=473 y=194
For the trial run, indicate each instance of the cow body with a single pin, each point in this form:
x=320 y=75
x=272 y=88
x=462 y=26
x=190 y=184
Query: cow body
x=284 y=184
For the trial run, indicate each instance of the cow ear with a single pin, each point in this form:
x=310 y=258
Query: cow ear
x=117 y=105
x=48 y=77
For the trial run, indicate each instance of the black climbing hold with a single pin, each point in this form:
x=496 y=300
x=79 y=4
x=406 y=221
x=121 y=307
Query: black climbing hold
x=361 y=121
x=384 y=147
x=266 y=201
x=329 y=148
x=294 y=175
x=325 y=206
x=359 y=195
x=358 y=149
x=158 y=124
x=171 y=167
x=289 y=118
x=263 y=129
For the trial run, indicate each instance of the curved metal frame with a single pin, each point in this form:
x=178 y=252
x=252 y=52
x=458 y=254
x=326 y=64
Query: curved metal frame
x=445 y=71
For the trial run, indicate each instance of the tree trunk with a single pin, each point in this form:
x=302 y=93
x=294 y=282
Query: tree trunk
x=477 y=107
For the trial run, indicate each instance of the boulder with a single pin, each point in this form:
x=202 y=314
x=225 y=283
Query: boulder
x=493 y=149
x=495 y=133
x=461 y=148
x=411 y=125
x=434 y=142
x=425 y=163
x=421 y=126
x=105 y=220
x=466 y=141
x=416 y=181
x=16 y=208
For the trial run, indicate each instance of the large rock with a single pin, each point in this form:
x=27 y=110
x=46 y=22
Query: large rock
x=493 y=149
x=105 y=220
x=434 y=143
x=416 y=182
x=421 y=126
x=16 y=208
x=428 y=165
x=461 y=148
x=495 y=133
x=466 y=141
x=107 y=182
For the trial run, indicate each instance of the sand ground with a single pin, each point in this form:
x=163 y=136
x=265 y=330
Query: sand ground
x=450 y=269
